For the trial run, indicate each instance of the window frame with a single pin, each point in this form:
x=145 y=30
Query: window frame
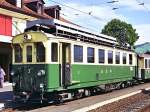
x=37 y=53
x=117 y=55
x=27 y=51
x=81 y=54
x=112 y=60
x=55 y=59
x=130 y=60
x=99 y=58
x=146 y=63
x=124 y=56
x=90 y=56
x=21 y=53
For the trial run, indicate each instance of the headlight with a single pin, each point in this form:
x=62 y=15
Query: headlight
x=13 y=84
x=41 y=85
x=41 y=73
x=12 y=73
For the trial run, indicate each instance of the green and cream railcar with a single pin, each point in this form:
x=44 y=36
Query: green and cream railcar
x=63 y=61
x=44 y=63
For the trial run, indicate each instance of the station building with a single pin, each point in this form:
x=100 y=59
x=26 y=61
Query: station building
x=14 y=15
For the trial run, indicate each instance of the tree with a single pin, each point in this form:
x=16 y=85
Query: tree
x=123 y=32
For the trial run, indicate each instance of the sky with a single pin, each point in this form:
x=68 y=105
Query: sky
x=95 y=14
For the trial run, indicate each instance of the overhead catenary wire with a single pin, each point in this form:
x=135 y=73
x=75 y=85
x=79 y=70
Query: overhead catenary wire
x=90 y=13
x=87 y=13
x=143 y=4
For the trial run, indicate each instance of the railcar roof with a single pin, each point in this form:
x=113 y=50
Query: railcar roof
x=69 y=27
x=143 y=48
x=82 y=29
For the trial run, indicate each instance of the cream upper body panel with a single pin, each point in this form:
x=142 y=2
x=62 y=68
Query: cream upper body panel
x=48 y=39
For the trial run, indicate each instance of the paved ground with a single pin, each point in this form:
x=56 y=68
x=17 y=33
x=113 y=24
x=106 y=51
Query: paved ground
x=77 y=104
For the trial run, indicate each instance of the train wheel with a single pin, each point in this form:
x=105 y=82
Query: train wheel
x=78 y=95
x=87 y=93
x=122 y=86
x=58 y=100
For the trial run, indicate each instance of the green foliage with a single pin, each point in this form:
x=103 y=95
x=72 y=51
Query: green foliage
x=123 y=32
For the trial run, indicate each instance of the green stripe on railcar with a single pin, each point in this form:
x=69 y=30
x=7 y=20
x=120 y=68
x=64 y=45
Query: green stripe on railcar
x=53 y=76
x=81 y=75
x=147 y=74
x=91 y=75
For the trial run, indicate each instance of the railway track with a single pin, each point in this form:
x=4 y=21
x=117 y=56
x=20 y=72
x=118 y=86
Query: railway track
x=145 y=109
x=137 y=103
x=140 y=106
x=123 y=105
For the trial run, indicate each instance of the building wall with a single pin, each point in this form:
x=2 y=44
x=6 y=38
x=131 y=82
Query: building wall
x=9 y=26
x=18 y=26
x=5 y=25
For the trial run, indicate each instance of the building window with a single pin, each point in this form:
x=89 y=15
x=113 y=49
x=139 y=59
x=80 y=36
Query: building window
x=18 y=53
x=40 y=9
x=130 y=59
x=124 y=58
x=54 y=52
x=117 y=57
x=29 y=53
x=78 y=53
x=57 y=14
x=90 y=55
x=101 y=54
x=40 y=52
x=110 y=57
x=18 y=3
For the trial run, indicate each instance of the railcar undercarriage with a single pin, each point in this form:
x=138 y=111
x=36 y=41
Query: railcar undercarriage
x=65 y=95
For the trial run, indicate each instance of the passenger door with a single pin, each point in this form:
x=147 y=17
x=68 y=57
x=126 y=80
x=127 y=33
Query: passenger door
x=65 y=60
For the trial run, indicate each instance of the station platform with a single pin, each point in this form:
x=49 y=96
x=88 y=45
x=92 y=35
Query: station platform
x=6 y=95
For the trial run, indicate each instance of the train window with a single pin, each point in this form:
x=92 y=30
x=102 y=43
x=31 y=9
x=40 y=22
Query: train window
x=90 y=55
x=117 y=57
x=78 y=53
x=130 y=59
x=29 y=53
x=101 y=54
x=110 y=57
x=40 y=52
x=54 y=52
x=146 y=63
x=124 y=58
x=18 y=53
x=149 y=63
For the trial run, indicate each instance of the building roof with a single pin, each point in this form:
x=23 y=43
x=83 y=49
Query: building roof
x=4 y=4
x=28 y=1
x=51 y=7
x=27 y=11
x=143 y=48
